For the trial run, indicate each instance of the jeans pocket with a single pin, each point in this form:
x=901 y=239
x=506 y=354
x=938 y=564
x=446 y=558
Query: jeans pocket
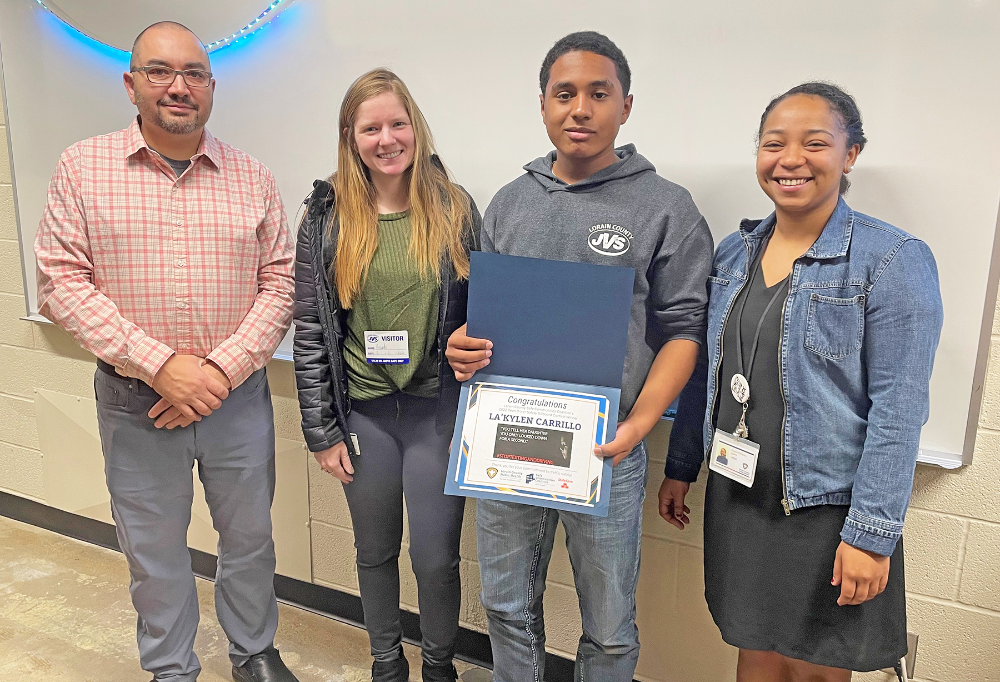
x=254 y=382
x=633 y=468
x=835 y=327
x=108 y=391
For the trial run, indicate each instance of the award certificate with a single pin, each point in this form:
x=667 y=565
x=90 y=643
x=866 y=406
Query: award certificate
x=532 y=441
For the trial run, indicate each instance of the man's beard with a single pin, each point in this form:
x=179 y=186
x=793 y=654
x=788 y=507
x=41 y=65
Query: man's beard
x=175 y=127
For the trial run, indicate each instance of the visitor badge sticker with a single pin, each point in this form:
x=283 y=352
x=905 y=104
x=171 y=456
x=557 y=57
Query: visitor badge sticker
x=734 y=457
x=387 y=348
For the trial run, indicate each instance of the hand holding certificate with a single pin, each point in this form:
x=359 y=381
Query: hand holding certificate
x=527 y=431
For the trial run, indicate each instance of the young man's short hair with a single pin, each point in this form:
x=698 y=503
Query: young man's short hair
x=587 y=41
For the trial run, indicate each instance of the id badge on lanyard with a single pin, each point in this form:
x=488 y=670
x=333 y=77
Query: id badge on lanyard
x=734 y=455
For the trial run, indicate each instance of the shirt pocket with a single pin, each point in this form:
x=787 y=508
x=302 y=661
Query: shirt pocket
x=835 y=327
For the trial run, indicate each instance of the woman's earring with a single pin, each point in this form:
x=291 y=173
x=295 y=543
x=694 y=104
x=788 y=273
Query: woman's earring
x=850 y=169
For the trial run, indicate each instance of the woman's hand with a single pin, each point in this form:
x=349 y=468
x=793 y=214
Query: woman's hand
x=336 y=461
x=862 y=575
x=467 y=354
x=672 y=507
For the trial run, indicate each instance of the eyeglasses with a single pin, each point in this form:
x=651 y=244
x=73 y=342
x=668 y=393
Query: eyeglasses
x=164 y=75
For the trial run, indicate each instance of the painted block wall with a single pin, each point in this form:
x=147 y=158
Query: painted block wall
x=952 y=531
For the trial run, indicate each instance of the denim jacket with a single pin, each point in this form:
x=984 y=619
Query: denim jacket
x=859 y=330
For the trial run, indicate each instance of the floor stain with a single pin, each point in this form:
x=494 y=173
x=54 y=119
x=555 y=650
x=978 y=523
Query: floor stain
x=66 y=616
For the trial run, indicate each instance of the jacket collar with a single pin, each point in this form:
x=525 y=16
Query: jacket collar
x=833 y=241
x=209 y=147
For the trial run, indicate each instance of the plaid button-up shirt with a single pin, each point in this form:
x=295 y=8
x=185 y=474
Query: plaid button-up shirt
x=138 y=264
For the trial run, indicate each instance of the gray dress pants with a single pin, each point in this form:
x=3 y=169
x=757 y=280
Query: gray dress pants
x=149 y=473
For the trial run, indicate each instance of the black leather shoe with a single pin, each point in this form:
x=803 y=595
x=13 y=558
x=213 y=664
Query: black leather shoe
x=397 y=670
x=266 y=666
x=439 y=673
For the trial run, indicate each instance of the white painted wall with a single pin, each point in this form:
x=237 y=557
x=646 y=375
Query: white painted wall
x=703 y=73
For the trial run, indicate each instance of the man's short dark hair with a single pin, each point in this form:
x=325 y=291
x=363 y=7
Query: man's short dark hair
x=587 y=41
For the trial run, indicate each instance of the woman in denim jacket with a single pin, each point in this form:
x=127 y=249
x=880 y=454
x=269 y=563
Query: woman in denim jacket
x=822 y=329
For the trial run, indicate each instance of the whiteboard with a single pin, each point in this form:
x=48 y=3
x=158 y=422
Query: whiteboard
x=924 y=74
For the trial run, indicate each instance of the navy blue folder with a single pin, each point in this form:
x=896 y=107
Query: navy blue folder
x=553 y=320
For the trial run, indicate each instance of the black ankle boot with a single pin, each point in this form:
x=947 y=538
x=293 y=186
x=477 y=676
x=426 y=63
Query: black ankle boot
x=266 y=666
x=439 y=673
x=397 y=670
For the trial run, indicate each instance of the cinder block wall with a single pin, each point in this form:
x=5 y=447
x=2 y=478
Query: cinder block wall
x=952 y=530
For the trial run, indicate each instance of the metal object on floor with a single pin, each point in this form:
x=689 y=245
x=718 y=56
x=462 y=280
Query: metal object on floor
x=910 y=660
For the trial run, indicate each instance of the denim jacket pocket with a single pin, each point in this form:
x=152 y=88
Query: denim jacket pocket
x=718 y=291
x=835 y=326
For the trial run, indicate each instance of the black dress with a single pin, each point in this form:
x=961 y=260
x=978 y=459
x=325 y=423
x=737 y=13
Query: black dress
x=767 y=575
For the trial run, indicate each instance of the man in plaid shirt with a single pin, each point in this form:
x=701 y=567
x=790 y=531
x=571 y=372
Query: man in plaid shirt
x=166 y=253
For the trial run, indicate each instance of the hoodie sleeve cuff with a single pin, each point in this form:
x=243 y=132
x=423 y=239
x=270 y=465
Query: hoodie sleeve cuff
x=681 y=471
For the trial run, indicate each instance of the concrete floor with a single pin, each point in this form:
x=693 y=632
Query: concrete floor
x=65 y=616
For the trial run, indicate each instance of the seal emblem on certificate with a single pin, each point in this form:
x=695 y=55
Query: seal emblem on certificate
x=527 y=431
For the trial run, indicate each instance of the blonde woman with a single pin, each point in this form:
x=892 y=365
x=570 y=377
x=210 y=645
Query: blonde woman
x=381 y=282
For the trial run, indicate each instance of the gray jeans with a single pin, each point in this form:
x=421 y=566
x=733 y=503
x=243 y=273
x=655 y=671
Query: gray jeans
x=403 y=455
x=150 y=481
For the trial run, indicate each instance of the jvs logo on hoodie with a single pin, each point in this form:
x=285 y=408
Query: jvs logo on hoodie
x=608 y=239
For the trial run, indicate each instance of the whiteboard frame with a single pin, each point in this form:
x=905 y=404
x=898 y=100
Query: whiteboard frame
x=983 y=353
x=28 y=315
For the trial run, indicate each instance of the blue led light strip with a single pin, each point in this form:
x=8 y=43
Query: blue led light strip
x=245 y=32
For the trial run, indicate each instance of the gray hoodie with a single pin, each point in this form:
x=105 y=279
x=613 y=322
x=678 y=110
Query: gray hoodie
x=624 y=215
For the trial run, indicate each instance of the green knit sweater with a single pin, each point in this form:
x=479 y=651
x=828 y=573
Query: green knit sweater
x=393 y=297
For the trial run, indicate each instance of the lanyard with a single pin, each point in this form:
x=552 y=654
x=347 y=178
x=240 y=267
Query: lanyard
x=760 y=323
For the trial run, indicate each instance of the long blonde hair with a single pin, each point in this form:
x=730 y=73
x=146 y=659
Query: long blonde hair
x=440 y=212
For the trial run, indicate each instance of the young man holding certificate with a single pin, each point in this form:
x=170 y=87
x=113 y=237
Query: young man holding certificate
x=590 y=202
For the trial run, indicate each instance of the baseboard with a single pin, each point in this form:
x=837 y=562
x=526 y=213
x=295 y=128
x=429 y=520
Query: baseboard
x=472 y=647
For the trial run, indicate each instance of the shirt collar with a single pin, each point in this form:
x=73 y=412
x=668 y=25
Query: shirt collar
x=209 y=147
x=833 y=241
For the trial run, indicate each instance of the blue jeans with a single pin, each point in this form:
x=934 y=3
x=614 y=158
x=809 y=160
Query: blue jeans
x=515 y=545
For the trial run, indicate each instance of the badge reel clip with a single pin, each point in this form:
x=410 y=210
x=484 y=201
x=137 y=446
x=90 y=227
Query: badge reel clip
x=733 y=454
